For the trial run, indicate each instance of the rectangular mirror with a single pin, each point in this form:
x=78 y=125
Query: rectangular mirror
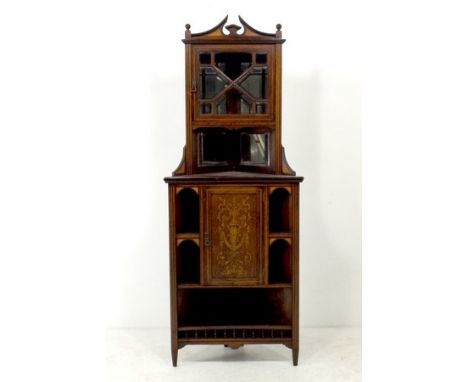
x=233 y=148
x=213 y=148
x=254 y=149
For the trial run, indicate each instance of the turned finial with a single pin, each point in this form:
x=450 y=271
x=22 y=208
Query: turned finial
x=187 y=31
x=278 y=30
x=233 y=29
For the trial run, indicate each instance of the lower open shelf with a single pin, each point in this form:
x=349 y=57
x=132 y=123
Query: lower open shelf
x=229 y=307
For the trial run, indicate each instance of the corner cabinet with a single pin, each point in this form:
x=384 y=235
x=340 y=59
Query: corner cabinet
x=234 y=200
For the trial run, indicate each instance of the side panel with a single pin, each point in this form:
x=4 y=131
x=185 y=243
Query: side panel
x=172 y=275
x=296 y=271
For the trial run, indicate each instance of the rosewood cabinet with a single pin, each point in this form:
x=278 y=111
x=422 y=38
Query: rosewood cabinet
x=234 y=200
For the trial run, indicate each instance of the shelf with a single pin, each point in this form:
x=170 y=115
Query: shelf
x=279 y=235
x=188 y=262
x=279 y=211
x=286 y=340
x=279 y=262
x=236 y=177
x=227 y=307
x=187 y=211
x=188 y=235
x=192 y=236
x=265 y=286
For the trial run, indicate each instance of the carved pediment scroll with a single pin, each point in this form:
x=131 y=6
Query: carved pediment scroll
x=217 y=34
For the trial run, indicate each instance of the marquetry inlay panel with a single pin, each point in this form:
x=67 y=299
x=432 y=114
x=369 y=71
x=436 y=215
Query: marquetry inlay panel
x=233 y=237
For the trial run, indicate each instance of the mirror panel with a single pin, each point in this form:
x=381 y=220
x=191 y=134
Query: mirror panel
x=213 y=148
x=233 y=148
x=254 y=149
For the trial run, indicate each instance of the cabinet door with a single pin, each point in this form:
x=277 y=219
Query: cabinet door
x=233 y=235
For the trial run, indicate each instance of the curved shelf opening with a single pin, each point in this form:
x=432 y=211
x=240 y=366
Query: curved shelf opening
x=188 y=263
x=279 y=211
x=187 y=211
x=279 y=262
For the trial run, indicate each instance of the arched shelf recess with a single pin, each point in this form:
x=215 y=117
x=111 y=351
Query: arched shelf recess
x=188 y=263
x=279 y=211
x=187 y=211
x=279 y=262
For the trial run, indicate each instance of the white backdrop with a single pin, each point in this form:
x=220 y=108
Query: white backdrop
x=321 y=124
x=82 y=214
x=92 y=119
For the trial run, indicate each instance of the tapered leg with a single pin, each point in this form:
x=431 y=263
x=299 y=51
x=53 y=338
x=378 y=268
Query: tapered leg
x=174 y=357
x=295 y=354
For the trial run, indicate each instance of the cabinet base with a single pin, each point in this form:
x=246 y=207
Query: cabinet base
x=235 y=345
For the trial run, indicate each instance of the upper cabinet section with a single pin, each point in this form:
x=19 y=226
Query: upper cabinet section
x=233 y=74
x=233 y=101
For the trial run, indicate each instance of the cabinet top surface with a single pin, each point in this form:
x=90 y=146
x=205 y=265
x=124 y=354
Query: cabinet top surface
x=234 y=177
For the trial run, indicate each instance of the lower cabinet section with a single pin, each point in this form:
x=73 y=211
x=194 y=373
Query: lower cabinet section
x=234 y=258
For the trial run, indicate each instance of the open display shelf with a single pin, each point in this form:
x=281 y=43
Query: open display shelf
x=279 y=262
x=188 y=263
x=234 y=306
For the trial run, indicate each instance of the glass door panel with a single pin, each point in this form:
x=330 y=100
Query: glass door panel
x=256 y=82
x=233 y=83
x=233 y=103
x=233 y=64
x=211 y=83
